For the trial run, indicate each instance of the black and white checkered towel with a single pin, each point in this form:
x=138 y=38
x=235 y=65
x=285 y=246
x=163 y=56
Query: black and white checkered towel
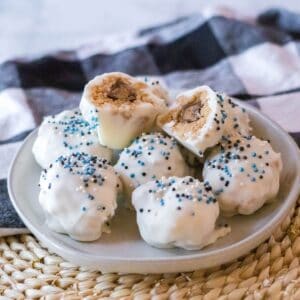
x=254 y=60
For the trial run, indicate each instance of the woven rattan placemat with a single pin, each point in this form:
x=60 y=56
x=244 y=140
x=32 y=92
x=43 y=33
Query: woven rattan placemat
x=271 y=271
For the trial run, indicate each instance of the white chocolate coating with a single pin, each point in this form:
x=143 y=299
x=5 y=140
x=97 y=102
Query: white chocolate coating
x=150 y=156
x=244 y=174
x=64 y=134
x=238 y=122
x=177 y=212
x=197 y=137
x=158 y=87
x=192 y=160
x=79 y=195
x=124 y=107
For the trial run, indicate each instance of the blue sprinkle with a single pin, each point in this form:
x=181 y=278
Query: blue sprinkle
x=210 y=199
x=94 y=119
x=218 y=192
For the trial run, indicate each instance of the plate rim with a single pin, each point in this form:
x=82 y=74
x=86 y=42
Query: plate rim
x=244 y=245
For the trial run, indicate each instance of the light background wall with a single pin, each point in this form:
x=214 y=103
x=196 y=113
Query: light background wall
x=38 y=26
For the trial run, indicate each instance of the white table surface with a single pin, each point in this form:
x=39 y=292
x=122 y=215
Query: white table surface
x=37 y=26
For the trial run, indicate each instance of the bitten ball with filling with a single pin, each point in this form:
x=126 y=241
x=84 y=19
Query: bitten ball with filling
x=123 y=105
x=177 y=212
x=197 y=120
x=78 y=194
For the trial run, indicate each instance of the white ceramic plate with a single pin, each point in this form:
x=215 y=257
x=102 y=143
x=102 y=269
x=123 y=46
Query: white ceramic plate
x=124 y=251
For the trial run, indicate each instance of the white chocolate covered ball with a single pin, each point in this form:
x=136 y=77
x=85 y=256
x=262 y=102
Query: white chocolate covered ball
x=79 y=195
x=65 y=133
x=150 y=156
x=177 y=212
x=244 y=174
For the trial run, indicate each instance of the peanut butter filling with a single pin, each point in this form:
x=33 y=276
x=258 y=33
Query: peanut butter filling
x=118 y=90
x=191 y=112
x=190 y=116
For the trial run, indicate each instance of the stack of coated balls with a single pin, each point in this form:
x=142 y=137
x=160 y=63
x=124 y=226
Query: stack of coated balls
x=178 y=166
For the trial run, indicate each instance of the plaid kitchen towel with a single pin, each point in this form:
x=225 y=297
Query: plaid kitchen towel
x=256 y=60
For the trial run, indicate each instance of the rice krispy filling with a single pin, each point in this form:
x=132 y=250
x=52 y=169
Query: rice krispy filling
x=191 y=115
x=119 y=90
